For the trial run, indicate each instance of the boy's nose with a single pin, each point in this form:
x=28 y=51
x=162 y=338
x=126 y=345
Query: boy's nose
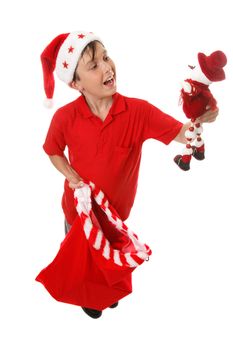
x=106 y=67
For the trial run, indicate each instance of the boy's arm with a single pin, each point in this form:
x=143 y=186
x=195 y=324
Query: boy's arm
x=62 y=165
x=208 y=117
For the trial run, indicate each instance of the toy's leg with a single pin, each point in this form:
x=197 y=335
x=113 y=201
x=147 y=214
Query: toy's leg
x=199 y=148
x=183 y=161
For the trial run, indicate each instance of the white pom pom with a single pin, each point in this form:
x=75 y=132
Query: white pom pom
x=199 y=143
x=199 y=130
x=190 y=134
x=187 y=151
x=48 y=102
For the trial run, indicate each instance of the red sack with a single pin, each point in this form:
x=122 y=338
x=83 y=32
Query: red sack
x=94 y=263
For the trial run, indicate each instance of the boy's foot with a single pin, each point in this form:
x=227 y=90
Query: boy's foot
x=114 y=305
x=92 y=312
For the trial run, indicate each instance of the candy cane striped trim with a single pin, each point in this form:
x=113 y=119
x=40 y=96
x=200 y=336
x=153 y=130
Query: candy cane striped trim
x=96 y=236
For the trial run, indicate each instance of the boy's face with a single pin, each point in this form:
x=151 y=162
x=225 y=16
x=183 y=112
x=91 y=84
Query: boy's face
x=98 y=76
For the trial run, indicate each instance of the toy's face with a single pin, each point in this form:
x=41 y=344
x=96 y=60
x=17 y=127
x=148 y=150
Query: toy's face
x=197 y=74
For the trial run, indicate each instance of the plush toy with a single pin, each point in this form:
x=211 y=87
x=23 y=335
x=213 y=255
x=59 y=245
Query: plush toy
x=196 y=98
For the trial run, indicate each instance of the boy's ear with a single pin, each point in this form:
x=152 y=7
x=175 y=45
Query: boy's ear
x=75 y=85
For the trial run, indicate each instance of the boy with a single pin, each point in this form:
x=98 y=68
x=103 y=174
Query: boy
x=103 y=130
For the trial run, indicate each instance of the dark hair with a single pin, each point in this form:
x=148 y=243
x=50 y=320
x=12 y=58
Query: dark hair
x=92 y=48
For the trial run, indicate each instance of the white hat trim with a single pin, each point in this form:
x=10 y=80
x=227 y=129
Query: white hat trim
x=70 y=52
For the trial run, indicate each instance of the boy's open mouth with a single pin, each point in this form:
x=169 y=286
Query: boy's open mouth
x=109 y=82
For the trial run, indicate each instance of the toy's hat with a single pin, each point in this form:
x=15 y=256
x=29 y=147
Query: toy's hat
x=62 y=55
x=212 y=66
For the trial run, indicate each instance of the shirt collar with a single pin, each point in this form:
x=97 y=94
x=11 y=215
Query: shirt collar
x=117 y=107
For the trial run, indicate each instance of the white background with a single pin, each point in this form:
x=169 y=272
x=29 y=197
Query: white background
x=182 y=297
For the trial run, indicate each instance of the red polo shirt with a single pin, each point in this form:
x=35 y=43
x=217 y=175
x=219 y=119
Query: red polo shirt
x=107 y=152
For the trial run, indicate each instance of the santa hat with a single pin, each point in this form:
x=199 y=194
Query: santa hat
x=62 y=55
x=212 y=66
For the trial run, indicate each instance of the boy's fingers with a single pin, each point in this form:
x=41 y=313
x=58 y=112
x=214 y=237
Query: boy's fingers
x=208 y=117
x=74 y=185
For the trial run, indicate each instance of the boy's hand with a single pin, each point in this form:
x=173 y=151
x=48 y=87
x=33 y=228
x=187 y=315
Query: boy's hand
x=75 y=182
x=208 y=117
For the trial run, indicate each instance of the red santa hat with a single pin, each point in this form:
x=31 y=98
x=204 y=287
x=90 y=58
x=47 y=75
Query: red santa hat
x=62 y=55
x=212 y=65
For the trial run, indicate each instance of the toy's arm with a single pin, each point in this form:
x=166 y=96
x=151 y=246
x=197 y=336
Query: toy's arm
x=186 y=87
x=189 y=88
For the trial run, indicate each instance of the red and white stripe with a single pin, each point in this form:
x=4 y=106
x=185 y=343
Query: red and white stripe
x=95 y=235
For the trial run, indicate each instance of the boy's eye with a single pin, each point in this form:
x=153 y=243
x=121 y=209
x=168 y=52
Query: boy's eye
x=94 y=66
x=106 y=58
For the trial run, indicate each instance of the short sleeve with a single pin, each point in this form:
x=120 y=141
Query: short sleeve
x=55 y=141
x=159 y=125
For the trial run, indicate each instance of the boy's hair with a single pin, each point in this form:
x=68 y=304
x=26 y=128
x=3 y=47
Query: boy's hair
x=92 y=48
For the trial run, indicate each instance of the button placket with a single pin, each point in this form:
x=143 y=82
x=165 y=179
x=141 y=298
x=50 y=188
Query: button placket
x=99 y=144
x=102 y=139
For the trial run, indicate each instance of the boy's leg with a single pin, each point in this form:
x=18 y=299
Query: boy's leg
x=67 y=226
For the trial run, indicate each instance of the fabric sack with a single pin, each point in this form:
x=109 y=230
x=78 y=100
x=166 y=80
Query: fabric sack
x=93 y=267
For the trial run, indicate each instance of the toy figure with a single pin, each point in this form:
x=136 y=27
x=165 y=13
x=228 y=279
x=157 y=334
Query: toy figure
x=196 y=98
